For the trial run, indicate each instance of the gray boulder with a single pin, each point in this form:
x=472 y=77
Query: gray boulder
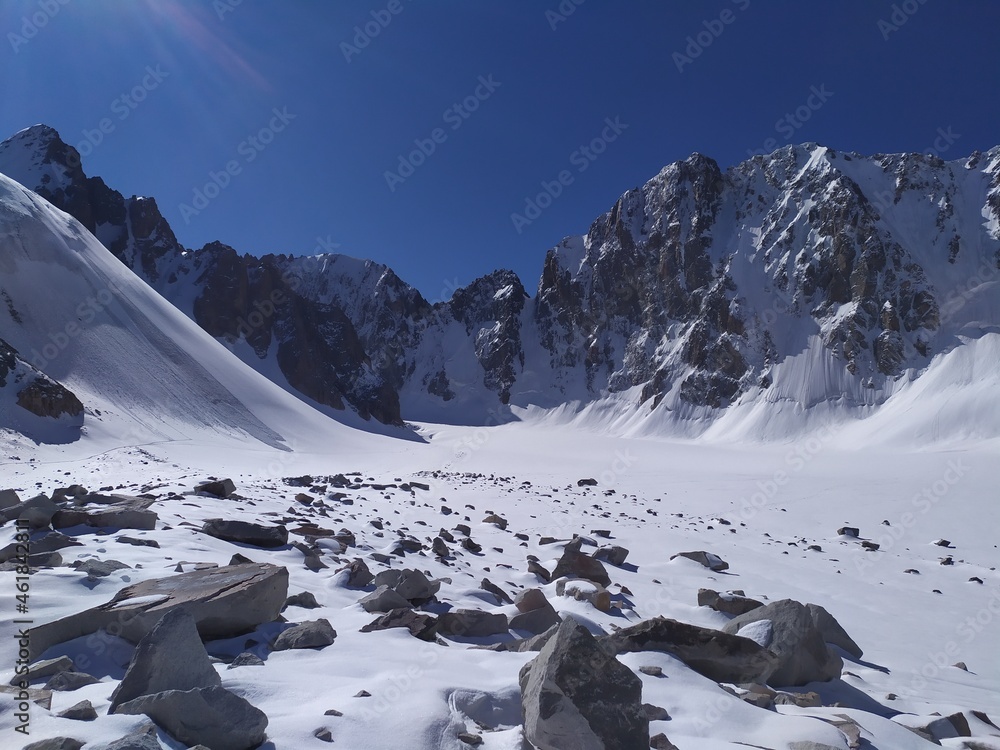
x=832 y=631
x=8 y=499
x=360 y=576
x=211 y=716
x=216 y=487
x=55 y=743
x=410 y=584
x=82 y=711
x=49 y=542
x=613 y=554
x=472 y=623
x=70 y=680
x=244 y=532
x=576 y=696
x=714 y=654
x=36 y=512
x=312 y=634
x=45 y=668
x=708 y=559
x=802 y=652
x=134 y=514
x=224 y=602
x=576 y=564
x=383 y=599
x=142 y=739
x=537 y=620
x=171 y=656
x=420 y=625
x=730 y=602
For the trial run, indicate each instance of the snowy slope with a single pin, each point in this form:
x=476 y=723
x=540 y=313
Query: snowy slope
x=144 y=371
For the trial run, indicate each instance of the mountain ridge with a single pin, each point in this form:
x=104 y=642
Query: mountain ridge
x=692 y=295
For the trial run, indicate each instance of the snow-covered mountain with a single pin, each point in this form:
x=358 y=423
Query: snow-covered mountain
x=86 y=345
x=805 y=281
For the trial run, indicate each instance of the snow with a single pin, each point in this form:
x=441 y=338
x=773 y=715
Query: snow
x=169 y=406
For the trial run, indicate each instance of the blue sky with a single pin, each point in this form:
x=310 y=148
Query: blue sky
x=415 y=141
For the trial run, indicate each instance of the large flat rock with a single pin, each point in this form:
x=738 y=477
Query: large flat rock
x=223 y=601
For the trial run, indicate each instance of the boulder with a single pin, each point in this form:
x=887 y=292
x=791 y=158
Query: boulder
x=410 y=584
x=802 y=652
x=224 y=602
x=216 y=487
x=45 y=668
x=530 y=599
x=472 y=623
x=49 y=542
x=612 y=554
x=501 y=596
x=210 y=716
x=55 y=743
x=82 y=711
x=576 y=564
x=8 y=499
x=171 y=656
x=70 y=680
x=244 y=532
x=383 y=599
x=99 y=568
x=537 y=620
x=832 y=631
x=585 y=591
x=312 y=634
x=37 y=512
x=143 y=739
x=712 y=653
x=360 y=576
x=134 y=514
x=304 y=599
x=576 y=696
x=523 y=645
x=730 y=602
x=420 y=625
x=708 y=559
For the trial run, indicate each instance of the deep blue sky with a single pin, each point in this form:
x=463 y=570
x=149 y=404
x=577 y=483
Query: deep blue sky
x=323 y=176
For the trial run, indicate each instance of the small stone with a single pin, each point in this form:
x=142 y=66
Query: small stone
x=652 y=671
x=660 y=742
x=333 y=712
x=82 y=711
x=323 y=734
x=470 y=739
x=362 y=694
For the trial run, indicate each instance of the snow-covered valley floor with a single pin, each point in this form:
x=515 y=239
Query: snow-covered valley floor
x=759 y=508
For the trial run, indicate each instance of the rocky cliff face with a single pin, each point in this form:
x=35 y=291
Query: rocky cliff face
x=700 y=288
x=29 y=389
